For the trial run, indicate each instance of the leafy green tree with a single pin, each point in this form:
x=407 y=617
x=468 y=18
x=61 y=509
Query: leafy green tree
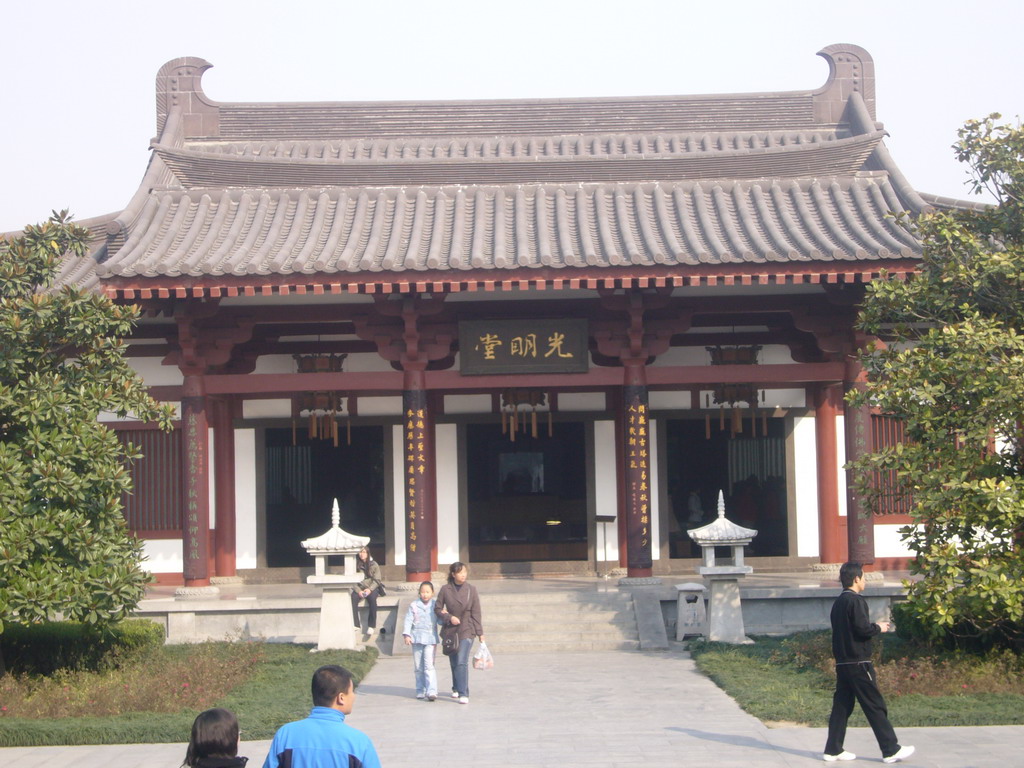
x=64 y=545
x=952 y=370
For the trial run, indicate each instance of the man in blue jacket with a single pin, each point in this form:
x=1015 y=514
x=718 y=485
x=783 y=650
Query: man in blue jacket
x=856 y=678
x=324 y=740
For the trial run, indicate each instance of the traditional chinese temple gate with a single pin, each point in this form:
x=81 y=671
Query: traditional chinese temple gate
x=548 y=275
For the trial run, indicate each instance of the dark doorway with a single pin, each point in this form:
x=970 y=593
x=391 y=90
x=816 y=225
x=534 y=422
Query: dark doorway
x=304 y=479
x=750 y=471
x=528 y=498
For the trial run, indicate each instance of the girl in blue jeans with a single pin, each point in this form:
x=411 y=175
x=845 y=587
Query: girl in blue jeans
x=420 y=632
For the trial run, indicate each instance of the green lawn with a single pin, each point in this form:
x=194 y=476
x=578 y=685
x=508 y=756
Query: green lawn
x=775 y=681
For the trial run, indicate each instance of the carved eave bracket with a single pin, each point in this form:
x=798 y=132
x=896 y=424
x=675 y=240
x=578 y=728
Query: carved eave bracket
x=645 y=332
x=833 y=335
x=204 y=347
x=409 y=330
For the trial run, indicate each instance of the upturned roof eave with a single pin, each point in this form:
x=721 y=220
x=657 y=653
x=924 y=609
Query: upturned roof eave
x=484 y=281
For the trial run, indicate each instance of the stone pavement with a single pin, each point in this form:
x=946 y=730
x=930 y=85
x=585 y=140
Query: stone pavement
x=604 y=709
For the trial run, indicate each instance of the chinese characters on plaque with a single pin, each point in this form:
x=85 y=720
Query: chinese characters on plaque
x=523 y=346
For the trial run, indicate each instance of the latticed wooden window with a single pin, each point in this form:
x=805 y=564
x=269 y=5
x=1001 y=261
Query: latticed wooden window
x=887 y=431
x=155 y=504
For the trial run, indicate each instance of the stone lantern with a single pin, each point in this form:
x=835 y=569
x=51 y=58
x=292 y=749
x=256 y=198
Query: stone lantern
x=336 y=620
x=335 y=542
x=725 y=615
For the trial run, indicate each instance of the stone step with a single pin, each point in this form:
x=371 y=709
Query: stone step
x=538 y=622
x=556 y=646
x=563 y=623
x=555 y=598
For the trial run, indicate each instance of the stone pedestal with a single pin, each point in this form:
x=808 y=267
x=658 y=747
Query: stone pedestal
x=725 y=614
x=337 y=629
x=691 y=613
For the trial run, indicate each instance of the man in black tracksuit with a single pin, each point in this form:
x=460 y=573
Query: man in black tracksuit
x=856 y=679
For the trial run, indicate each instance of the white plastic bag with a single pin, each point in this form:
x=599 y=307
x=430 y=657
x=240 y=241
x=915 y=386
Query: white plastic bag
x=483 y=658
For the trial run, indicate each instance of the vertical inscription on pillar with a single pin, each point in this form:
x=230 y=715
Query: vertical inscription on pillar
x=861 y=524
x=417 y=485
x=195 y=537
x=638 y=485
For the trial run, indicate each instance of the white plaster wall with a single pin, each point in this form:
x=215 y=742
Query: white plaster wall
x=806 y=487
x=162 y=556
x=274 y=364
x=245 y=498
x=773 y=398
x=581 y=401
x=156 y=373
x=267 y=409
x=380 y=406
x=682 y=356
x=446 y=437
x=367 y=362
x=605 y=488
x=772 y=354
x=211 y=479
x=361 y=362
x=467 y=404
x=888 y=543
x=398 y=490
x=769 y=354
x=106 y=417
x=669 y=401
x=841 y=459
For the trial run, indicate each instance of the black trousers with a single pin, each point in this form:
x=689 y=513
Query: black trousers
x=371 y=603
x=859 y=682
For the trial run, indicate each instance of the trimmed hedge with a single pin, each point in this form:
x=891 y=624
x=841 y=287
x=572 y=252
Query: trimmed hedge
x=277 y=693
x=41 y=649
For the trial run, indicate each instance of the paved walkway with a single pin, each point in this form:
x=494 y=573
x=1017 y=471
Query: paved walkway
x=605 y=709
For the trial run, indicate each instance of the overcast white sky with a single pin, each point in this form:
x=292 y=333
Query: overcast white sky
x=78 y=98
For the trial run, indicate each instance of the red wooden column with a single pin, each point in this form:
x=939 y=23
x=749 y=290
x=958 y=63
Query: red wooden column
x=860 y=529
x=831 y=546
x=636 y=453
x=420 y=478
x=196 y=527
x=224 y=487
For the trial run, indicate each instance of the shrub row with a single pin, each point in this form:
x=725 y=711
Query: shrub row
x=42 y=649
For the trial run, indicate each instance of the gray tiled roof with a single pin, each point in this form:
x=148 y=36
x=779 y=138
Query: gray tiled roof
x=404 y=188
x=202 y=169
x=331 y=230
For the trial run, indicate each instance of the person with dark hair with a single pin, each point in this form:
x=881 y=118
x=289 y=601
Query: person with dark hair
x=369 y=589
x=324 y=739
x=856 y=678
x=214 y=741
x=420 y=631
x=458 y=605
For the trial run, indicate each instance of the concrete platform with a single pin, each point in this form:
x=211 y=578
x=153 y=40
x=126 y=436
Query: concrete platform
x=772 y=603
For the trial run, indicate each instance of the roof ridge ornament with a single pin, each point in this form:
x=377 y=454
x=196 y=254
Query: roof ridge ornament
x=851 y=70
x=179 y=90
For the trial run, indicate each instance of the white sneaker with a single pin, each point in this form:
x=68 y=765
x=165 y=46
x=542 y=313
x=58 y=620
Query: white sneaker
x=465 y=700
x=421 y=695
x=903 y=754
x=844 y=755
x=455 y=694
x=370 y=631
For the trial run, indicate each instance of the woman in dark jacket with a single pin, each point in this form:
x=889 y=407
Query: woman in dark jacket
x=369 y=589
x=458 y=605
x=214 y=741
